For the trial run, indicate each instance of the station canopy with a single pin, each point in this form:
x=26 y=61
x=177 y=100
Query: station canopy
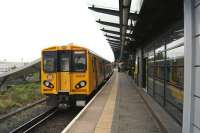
x=116 y=19
x=128 y=24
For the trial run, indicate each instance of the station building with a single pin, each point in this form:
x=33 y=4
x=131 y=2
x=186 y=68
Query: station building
x=163 y=51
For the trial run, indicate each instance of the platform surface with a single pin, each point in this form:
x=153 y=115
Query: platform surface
x=117 y=109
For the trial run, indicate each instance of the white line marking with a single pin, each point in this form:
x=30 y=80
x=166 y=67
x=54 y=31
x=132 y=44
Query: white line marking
x=82 y=111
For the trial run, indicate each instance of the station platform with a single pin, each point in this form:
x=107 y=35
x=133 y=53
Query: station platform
x=119 y=108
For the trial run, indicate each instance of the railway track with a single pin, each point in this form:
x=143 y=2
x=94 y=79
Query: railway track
x=53 y=120
x=28 y=126
x=3 y=117
x=57 y=122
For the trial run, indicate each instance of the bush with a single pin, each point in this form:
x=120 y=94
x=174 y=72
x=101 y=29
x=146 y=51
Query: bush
x=19 y=95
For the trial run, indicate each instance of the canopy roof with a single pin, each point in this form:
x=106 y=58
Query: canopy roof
x=125 y=26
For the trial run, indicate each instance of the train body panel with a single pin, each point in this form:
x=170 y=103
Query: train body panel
x=63 y=81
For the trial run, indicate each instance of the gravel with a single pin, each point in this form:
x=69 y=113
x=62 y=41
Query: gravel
x=57 y=122
x=22 y=117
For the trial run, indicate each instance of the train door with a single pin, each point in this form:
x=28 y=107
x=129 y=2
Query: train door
x=95 y=72
x=104 y=69
x=64 y=64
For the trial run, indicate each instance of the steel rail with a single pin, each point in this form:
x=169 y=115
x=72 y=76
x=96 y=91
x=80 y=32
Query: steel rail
x=28 y=126
x=22 y=109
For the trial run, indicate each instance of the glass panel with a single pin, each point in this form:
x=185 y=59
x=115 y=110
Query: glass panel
x=136 y=6
x=175 y=37
x=150 y=86
x=159 y=91
x=174 y=111
x=109 y=28
x=64 y=60
x=175 y=69
x=150 y=71
x=175 y=81
x=175 y=56
x=150 y=79
x=174 y=101
x=49 y=61
x=174 y=95
x=159 y=72
x=133 y=22
x=106 y=17
x=175 y=43
x=79 y=61
x=160 y=59
x=175 y=75
x=151 y=59
x=113 y=4
x=112 y=39
x=160 y=49
x=128 y=31
x=111 y=34
x=175 y=61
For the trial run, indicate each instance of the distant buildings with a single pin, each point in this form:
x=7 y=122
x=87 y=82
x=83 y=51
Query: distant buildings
x=8 y=66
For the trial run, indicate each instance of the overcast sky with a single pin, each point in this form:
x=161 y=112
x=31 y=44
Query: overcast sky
x=27 y=26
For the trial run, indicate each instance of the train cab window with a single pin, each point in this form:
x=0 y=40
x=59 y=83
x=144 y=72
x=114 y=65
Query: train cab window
x=49 y=61
x=79 y=61
x=64 y=61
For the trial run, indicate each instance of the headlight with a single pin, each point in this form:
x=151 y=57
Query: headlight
x=48 y=84
x=80 y=84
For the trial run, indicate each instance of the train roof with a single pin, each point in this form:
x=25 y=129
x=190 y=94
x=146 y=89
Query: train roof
x=71 y=46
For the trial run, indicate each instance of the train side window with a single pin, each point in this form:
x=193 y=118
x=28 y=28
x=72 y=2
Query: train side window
x=79 y=61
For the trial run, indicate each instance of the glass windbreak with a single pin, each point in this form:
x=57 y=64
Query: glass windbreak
x=79 y=61
x=64 y=61
x=150 y=71
x=49 y=61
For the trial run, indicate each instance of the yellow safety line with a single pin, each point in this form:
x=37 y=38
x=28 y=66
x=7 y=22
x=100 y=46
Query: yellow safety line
x=105 y=122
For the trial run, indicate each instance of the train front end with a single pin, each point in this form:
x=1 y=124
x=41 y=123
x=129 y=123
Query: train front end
x=64 y=75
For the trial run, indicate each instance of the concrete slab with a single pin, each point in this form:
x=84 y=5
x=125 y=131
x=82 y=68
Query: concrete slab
x=131 y=113
x=118 y=109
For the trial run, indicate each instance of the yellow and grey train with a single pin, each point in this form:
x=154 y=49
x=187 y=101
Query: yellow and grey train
x=70 y=74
